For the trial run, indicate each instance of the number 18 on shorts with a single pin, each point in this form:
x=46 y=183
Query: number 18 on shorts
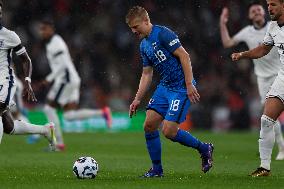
x=171 y=105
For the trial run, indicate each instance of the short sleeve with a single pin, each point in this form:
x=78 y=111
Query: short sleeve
x=14 y=42
x=144 y=58
x=241 y=35
x=268 y=39
x=169 y=40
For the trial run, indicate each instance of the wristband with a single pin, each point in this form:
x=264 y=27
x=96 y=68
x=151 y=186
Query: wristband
x=28 y=79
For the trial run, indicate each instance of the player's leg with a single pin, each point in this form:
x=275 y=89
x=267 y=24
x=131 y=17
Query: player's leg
x=18 y=127
x=264 y=85
x=152 y=122
x=51 y=113
x=172 y=132
x=156 y=110
x=176 y=114
x=272 y=109
x=71 y=112
x=56 y=99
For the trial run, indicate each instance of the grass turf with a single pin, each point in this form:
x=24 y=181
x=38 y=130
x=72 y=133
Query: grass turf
x=122 y=157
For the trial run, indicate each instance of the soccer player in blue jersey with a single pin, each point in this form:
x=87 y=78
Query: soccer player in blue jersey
x=161 y=50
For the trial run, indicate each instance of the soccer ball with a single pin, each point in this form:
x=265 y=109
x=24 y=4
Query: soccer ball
x=85 y=167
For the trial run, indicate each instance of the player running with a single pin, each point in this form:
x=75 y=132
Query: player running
x=161 y=50
x=65 y=91
x=10 y=42
x=273 y=106
x=265 y=68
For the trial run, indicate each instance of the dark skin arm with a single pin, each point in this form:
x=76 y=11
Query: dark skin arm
x=27 y=69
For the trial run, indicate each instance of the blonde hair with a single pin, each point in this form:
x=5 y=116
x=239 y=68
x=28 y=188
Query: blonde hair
x=136 y=12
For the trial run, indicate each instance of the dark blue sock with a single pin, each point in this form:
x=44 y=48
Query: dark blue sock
x=154 y=148
x=186 y=139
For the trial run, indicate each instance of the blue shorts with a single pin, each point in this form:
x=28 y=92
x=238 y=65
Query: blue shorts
x=172 y=105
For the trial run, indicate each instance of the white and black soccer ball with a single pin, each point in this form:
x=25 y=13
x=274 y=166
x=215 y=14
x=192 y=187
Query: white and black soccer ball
x=85 y=167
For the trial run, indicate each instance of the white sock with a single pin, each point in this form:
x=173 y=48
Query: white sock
x=21 y=127
x=278 y=136
x=266 y=141
x=1 y=129
x=53 y=117
x=81 y=114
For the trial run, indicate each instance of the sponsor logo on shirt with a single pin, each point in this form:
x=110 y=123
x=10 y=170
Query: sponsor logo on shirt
x=173 y=42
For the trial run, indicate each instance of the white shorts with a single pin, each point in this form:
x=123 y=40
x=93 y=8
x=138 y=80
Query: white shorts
x=7 y=92
x=264 y=84
x=277 y=89
x=64 y=93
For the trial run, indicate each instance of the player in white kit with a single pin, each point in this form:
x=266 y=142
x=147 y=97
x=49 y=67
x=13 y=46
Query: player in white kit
x=10 y=42
x=274 y=103
x=65 y=91
x=265 y=68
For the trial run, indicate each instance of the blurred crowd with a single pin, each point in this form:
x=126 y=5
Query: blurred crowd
x=105 y=52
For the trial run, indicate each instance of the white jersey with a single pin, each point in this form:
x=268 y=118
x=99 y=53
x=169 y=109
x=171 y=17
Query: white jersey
x=275 y=37
x=266 y=66
x=60 y=62
x=9 y=41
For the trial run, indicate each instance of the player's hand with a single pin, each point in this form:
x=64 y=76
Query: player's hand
x=133 y=107
x=224 y=18
x=236 y=56
x=28 y=91
x=192 y=94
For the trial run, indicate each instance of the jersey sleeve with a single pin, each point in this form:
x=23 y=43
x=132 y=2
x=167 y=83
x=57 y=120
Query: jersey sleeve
x=268 y=39
x=241 y=35
x=14 y=42
x=144 y=58
x=169 y=40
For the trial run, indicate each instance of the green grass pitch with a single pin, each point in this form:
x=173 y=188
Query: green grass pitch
x=122 y=157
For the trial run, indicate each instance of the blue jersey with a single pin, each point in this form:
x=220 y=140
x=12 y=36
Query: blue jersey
x=157 y=51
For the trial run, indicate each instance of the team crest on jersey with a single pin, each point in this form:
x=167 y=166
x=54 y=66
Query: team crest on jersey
x=1 y=43
x=154 y=45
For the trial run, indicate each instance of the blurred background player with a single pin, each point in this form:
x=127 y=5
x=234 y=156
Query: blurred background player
x=161 y=49
x=265 y=68
x=10 y=42
x=273 y=106
x=65 y=90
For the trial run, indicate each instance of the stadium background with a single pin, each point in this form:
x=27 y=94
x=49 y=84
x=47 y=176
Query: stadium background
x=107 y=58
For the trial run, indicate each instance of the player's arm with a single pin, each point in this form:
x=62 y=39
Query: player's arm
x=188 y=75
x=227 y=41
x=255 y=53
x=27 y=69
x=145 y=82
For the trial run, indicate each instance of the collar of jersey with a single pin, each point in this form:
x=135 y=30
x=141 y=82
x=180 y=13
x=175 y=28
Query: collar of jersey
x=260 y=27
x=152 y=31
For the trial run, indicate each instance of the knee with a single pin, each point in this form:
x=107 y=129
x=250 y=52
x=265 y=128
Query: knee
x=149 y=127
x=169 y=132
